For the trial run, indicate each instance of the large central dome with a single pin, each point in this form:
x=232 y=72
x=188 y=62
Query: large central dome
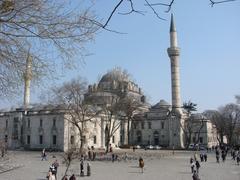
x=115 y=75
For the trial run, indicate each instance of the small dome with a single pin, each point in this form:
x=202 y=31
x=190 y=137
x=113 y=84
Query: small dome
x=162 y=103
x=198 y=116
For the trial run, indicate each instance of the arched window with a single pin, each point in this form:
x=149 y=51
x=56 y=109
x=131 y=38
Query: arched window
x=139 y=136
x=156 y=137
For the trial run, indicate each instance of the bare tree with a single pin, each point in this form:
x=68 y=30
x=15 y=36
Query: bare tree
x=47 y=30
x=111 y=119
x=129 y=106
x=147 y=4
x=218 y=121
x=80 y=113
x=231 y=117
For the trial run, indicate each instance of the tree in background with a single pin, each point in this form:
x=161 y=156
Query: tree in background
x=218 y=121
x=80 y=113
x=226 y=120
x=48 y=31
x=192 y=125
x=129 y=106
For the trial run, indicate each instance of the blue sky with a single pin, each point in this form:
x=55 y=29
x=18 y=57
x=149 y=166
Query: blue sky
x=209 y=39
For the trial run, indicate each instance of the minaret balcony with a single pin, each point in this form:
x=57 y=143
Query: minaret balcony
x=173 y=51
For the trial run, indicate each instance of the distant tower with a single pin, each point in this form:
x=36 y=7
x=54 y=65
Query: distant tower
x=27 y=80
x=173 y=53
x=176 y=121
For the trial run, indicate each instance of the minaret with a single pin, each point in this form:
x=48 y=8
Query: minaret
x=27 y=80
x=173 y=53
x=176 y=121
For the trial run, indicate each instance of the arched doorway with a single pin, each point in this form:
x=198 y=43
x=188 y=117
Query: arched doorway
x=139 y=137
x=106 y=136
x=156 y=138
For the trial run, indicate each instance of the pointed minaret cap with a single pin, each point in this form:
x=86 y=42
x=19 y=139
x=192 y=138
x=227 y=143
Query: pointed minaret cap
x=172 y=27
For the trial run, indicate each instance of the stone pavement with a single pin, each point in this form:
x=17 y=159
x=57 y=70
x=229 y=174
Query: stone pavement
x=159 y=164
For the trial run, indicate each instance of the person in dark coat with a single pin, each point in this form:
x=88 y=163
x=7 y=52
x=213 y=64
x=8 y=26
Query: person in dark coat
x=65 y=178
x=72 y=177
x=82 y=168
x=217 y=155
x=141 y=163
x=195 y=175
x=191 y=160
x=201 y=157
x=197 y=166
x=205 y=157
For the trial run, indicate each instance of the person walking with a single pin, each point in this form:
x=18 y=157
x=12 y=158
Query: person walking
x=201 y=157
x=195 y=175
x=73 y=177
x=44 y=155
x=82 y=168
x=238 y=158
x=88 y=169
x=217 y=155
x=192 y=167
x=55 y=165
x=191 y=160
x=141 y=163
x=197 y=166
x=205 y=156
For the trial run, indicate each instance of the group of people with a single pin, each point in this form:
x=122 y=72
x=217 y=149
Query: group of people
x=91 y=154
x=195 y=166
x=235 y=155
x=52 y=173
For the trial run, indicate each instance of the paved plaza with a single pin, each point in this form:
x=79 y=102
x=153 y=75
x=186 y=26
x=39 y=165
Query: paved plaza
x=160 y=164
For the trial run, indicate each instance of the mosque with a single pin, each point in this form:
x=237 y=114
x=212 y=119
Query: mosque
x=162 y=124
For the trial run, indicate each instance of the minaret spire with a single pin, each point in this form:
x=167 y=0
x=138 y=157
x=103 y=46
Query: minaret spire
x=174 y=53
x=27 y=80
x=172 y=26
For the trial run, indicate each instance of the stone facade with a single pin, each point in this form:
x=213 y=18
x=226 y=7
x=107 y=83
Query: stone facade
x=162 y=124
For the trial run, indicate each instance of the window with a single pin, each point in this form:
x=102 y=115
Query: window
x=95 y=139
x=54 y=122
x=40 y=139
x=15 y=128
x=6 y=138
x=149 y=125
x=162 y=125
x=28 y=139
x=113 y=139
x=54 y=139
x=28 y=123
x=6 y=123
x=194 y=139
x=201 y=140
x=142 y=125
x=72 y=140
x=83 y=139
x=41 y=122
